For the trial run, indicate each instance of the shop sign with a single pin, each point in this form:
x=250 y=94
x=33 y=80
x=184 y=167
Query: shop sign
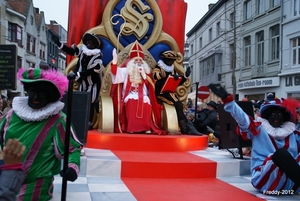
x=258 y=83
x=292 y=81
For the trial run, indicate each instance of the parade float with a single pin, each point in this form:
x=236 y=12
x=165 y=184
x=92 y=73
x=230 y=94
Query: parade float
x=157 y=25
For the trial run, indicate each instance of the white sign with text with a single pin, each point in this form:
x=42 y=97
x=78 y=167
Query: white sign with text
x=257 y=83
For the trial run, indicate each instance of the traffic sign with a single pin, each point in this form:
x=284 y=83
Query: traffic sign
x=203 y=92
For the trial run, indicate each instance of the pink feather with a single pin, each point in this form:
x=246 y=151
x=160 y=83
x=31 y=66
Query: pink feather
x=57 y=78
x=19 y=74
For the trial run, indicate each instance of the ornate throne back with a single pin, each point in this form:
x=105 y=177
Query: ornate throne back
x=157 y=42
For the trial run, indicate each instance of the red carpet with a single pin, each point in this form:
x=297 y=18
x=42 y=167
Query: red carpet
x=185 y=190
x=159 y=168
x=164 y=165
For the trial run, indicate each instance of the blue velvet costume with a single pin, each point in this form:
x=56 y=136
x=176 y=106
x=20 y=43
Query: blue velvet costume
x=266 y=176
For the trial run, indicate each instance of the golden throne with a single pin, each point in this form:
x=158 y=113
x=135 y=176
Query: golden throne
x=104 y=121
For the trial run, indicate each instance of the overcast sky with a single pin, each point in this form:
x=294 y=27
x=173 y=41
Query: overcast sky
x=58 y=10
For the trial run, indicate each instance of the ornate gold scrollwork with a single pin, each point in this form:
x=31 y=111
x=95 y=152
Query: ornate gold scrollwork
x=136 y=23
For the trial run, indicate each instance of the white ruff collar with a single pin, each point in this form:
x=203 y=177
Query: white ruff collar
x=25 y=112
x=277 y=133
x=165 y=66
x=90 y=52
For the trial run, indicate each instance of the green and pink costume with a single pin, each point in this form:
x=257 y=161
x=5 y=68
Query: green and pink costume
x=42 y=131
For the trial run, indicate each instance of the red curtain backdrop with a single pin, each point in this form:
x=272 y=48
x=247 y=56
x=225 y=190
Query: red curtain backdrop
x=174 y=14
x=84 y=15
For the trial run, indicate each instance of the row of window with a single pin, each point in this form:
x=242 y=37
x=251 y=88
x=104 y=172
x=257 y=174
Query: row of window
x=259 y=46
x=15 y=34
x=210 y=36
x=260 y=50
x=208 y=65
x=260 y=7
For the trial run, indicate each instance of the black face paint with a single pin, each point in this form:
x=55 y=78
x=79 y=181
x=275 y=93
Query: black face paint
x=276 y=118
x=90 y=45
x=37 y=98
x=169 y=62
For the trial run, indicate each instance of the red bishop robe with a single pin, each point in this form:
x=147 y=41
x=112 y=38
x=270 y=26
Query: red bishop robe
x=136 y=108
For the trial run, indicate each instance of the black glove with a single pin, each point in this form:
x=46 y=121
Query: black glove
x=83 y=74
x=188 y=72
x=218 y=90
x=175 y=76
x=56 y=40
x=70 y=174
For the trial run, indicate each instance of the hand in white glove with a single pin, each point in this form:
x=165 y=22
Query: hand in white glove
x=210 y=129
x=74 y=46
x=115 y=56
x=142 y=72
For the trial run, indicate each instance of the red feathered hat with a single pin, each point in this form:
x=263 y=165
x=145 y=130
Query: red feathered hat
x=289 y=105
x=136 y=51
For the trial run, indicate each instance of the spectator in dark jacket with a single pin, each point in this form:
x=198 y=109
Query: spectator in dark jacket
x=201 y=115
x=189 y=103
x=207 y=118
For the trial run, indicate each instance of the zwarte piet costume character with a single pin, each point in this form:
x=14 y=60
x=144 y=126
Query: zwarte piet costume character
x=164 y=69
x=88 y=69
x=275 y=154
x=38 y=122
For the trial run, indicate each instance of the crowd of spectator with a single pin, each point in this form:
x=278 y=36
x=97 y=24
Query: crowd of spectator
x=2 y=106
x=206 y=120
x=5 y=104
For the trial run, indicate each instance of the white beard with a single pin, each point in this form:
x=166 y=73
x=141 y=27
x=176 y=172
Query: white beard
x=133 y=72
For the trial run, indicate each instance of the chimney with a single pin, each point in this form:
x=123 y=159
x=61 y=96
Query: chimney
x=211 y=5
x=37 y=10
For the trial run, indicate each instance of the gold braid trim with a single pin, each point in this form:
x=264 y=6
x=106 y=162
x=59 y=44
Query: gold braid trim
x=150 y=81
x=162 y=71
x=173 y=96
x=165 y=100
x=156 y=72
